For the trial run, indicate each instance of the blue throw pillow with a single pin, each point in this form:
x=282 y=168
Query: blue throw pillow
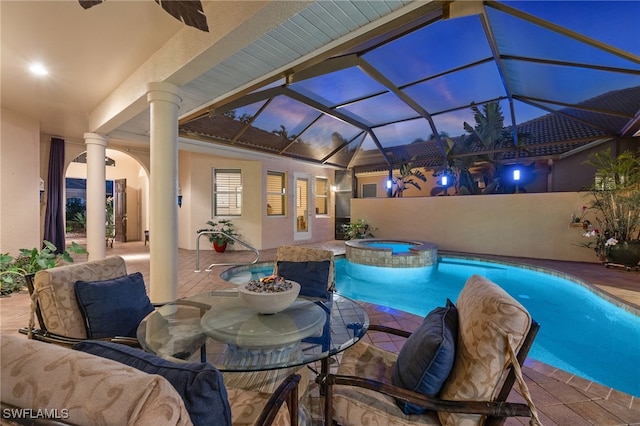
x=427 y=357
x=313 y=277
x=200 y=385
x=113 y=307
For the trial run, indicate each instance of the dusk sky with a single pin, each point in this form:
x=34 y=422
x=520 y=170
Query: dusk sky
x=432 y=66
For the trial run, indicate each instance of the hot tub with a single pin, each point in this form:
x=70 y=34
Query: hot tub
x=391 y=253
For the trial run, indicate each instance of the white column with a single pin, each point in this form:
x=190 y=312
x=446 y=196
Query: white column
x=96 y=194
x=164 y=101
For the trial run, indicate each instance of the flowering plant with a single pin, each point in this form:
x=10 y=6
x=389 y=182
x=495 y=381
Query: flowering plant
x=615 y=197
x=600 y=244
x=579 y=218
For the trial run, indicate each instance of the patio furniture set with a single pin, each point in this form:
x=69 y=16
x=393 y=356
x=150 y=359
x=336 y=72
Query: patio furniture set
x=208 y=359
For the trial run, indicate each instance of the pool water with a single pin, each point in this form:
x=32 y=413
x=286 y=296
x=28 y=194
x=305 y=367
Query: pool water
x=580 y=332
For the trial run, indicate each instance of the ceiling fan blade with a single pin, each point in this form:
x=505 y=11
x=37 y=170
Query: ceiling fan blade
x=86 y=4
x=188 y=11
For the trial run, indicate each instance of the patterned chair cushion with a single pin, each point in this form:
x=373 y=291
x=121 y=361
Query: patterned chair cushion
x=489 y=320
x=92 y=390
x=426 y=358
x=55 y=290
x=246 y=407
x=113 y=307
x=199 y=384
x=357 y=406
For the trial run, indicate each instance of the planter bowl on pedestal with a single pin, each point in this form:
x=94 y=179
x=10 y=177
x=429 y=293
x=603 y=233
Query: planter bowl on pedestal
x=625 y=253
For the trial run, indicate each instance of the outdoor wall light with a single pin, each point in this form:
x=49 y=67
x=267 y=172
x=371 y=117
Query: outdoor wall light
x=445 y=180
x=41 y=188
x=516 y=175
x=179 y=197
x=333 y=188
x=389 y=184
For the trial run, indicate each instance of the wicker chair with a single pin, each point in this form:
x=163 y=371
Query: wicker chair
x=495 y=334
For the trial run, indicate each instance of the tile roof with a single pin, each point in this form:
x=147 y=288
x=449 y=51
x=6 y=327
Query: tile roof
x=548 y=136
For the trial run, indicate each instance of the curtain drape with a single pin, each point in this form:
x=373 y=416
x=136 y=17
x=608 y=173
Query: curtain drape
x=54 y=214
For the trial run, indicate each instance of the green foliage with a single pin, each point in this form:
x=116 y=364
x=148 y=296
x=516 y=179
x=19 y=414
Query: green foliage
x=110 y=227
x=76 y=214
x=30 y=261
x=357 y=229
x=615 y=199
x=408 y=176
x=494 y=140
x=223 y=225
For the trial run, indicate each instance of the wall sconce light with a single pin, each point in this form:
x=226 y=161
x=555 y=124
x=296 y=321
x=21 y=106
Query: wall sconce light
x=389 y=183
x=179 y=197
x=445 y=180
x=333 y=188
x=41 y=188
x=516 y=175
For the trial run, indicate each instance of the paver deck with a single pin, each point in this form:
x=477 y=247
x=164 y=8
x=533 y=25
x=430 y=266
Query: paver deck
x=561 y=398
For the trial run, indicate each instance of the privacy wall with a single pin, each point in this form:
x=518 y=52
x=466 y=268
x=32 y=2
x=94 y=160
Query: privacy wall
x=522 y=225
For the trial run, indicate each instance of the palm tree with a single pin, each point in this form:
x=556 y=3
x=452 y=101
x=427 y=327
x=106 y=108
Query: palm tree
x=489 y=130
x=408 y=176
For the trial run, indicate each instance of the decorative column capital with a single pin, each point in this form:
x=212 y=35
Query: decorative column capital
x=163 y=91
x=95 y=139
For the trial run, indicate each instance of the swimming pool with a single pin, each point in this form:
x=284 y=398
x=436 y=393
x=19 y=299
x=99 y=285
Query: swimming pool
x=580 y=332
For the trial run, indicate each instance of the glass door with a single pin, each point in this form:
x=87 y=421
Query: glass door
x=302 y=224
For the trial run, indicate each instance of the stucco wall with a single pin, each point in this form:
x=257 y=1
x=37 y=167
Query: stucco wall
x=254 y=226
x=526 y=225
x=19 y=182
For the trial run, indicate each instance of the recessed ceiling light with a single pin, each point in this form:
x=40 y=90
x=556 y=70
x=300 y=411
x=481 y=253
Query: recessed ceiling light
x=38 y=69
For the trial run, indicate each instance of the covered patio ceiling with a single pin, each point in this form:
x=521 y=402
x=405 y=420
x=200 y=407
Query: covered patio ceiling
x=566 y=73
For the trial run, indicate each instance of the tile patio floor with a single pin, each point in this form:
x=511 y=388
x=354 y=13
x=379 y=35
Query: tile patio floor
x=562 y=398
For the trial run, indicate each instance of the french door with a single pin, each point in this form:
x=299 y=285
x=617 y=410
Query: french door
x=302 y=218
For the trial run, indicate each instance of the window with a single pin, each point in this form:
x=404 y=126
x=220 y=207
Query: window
x=276 y=194
x=369 y=190
x=603 y=182
x=322 y=196
x=227 y=192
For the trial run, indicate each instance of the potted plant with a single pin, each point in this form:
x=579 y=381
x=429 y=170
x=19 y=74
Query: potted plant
x=616 y=203
x=15 y=271
x=221 y=234
x=357 y=229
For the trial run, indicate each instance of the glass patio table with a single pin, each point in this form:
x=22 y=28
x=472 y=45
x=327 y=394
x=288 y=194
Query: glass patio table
x=219 y=328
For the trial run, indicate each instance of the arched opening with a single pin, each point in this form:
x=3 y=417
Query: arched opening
x=126 y=203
